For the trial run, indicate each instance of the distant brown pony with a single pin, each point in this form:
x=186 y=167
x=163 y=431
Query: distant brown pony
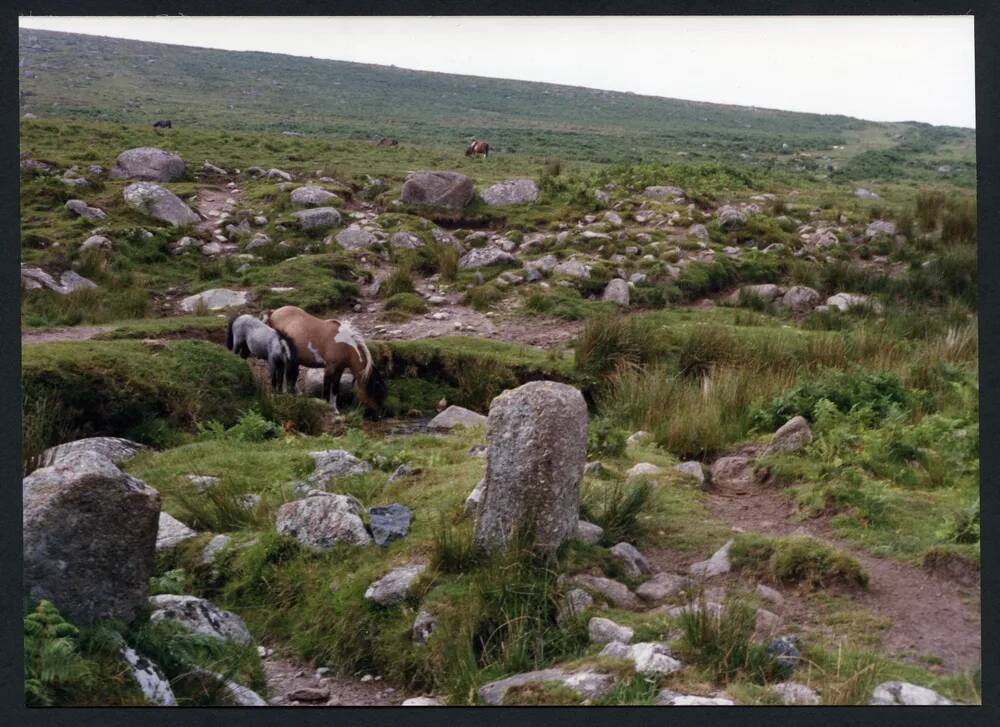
x=478 y=147
x=333 y=346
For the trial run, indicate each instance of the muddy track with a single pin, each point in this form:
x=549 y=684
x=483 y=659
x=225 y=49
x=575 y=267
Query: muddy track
x=71 y=333
x=928 y=614
x=285 y=677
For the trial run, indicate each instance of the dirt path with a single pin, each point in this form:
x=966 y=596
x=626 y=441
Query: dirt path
x=212 y=203
x=298 y=685
x=928 y=614
x=72 y=333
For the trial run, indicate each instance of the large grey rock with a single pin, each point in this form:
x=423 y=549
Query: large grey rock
x=80 y=208
x=96 y=242
x=148 y=164
x=545 y=264
x=438 y=189
x=354 y=238
x=393 y=588
x=734 y=474
x=910 y=695
x=633 y=562
x=89 y=537
x=732 y=218
x=513 y=191
x=200 y=616
x=714 y=566
x=322 y=520
x=588 y=684
x=456 y=416
x=161 y=204
x=71 y=281
x=617 y=593
x=481 y=257
x=800 y=299
x=389 y=523
x=604 y=631
x=215 y=299
x=116 y=449
x=152 y=682
x=661 y=586
x=316 y=218
x=616 y=291
x=537 y=437
x=171 y=531
x=312 y=196
x=793 y=693
x=791 y=436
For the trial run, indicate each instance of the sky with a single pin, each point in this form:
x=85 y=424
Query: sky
x=880 y=68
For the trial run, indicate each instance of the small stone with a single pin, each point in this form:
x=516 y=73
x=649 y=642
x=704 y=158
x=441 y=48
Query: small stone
x=603 y=631
x=795 y=693
x=661 y=586
x=392 y=588
x=633 y=562
x=643 y=469
x=389 y=523
x=589 y=532
x=714 y=566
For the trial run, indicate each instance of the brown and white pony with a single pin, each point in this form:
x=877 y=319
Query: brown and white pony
x=333 y=346
x=478 y=147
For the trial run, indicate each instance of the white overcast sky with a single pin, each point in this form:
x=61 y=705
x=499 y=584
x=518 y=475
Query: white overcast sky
x=881 y=68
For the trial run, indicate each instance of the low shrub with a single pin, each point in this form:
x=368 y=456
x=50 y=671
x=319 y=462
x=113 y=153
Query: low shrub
x=801 y=560
x=616 y=507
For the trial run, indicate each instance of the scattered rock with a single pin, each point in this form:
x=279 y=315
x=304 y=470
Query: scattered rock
x=698 y=232
x=312 y=196
x=785 y=652
x=864 y=193
x=880 y=228
x=161 y=204
x=770 y=595
x=588 y=684
x=790 y=437
x=633 y=562
x=732 y=218
x=405 y=241
x=846 y=301
x=456 y=416
x=422 y=702
x=438 y=189
x=588 y=532
x=89 y=538
x=691 y=469
x=215 y=299
x=80 y=208
x=148 y=164
x=734 y=474
x=316 y=218
x=572 y=269
x=215 y=546
x=766 y=292
x=404 y=470
x=575 y=602
x=717 y=565
x=537 y=436
x=910 y=695
x=389 y=523
x=200 y=616
x=278 y=174
x=647 y=657
x=154 y=684
x=663 y=192
x=637 y=437
x=334 y=463
x=643 y=469
x=354 y=238
x=423 y=626
x=667 y=698
x=617 y=593
x=514 y=191
x=603 y=631
x=322 y=520
x=766 y=624
x=96 y=242
x=481 y=257
x=471 y=506
x=793 y=693
x=617 y=292
x=171 y=531
x=309 y=694
x=394 y=587
x=662 y=586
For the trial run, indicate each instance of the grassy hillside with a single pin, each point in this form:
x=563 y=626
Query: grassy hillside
x=136 y=82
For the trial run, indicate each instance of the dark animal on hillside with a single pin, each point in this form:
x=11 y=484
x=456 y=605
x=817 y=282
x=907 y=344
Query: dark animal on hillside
x=333 y=346
x=478 y=147
x=162 y=125
x=249 y=336
x=387 y=141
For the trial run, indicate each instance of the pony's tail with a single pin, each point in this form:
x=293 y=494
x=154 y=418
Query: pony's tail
x=291 y=360
x=367 y=372
x=229 y=332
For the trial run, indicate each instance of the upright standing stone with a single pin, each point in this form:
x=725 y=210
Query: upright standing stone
x=89 y=538
x=537 y=438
